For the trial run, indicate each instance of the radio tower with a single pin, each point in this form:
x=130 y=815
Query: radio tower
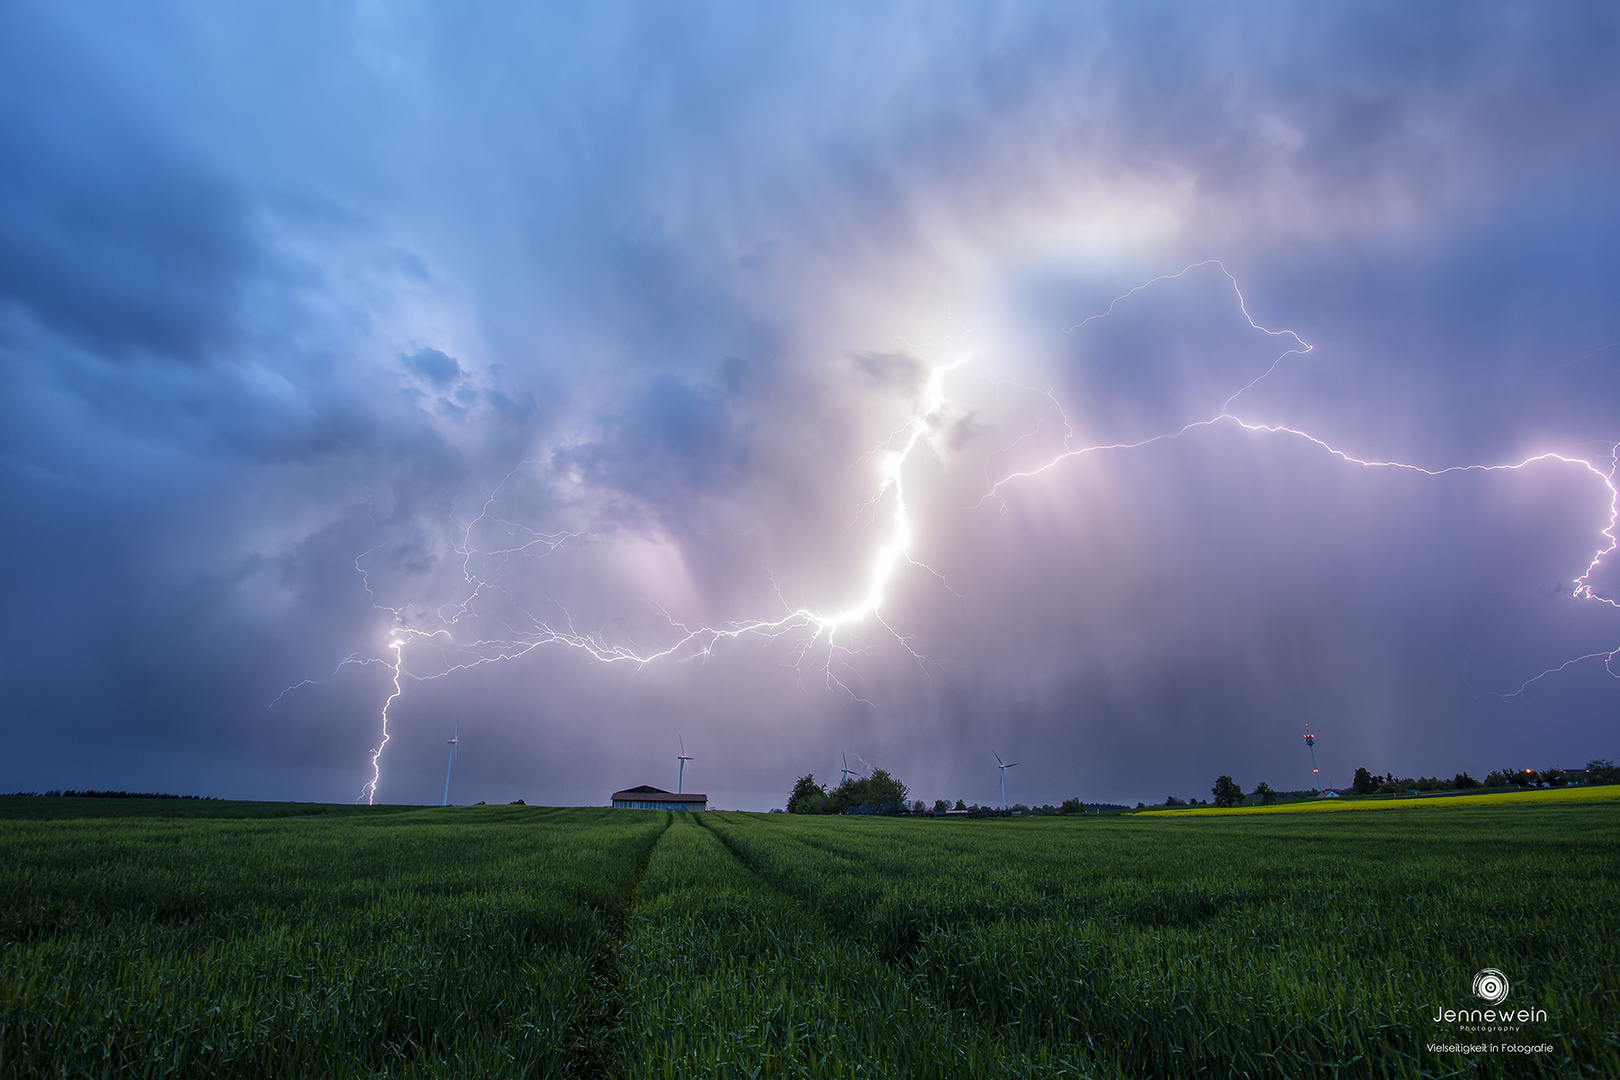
x=1310 y=744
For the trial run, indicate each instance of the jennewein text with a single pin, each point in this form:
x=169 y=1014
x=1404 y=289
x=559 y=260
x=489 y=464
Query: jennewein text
x=1490 y=1016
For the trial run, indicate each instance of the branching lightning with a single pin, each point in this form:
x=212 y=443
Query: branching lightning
x=1583 y=590
x=893 y=551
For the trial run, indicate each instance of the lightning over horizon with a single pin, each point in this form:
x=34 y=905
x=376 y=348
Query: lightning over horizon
x=1583 y=588
x=892 y=551
x=799 y=377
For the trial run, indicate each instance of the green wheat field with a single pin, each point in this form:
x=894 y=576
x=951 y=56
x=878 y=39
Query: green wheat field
x=257 y=940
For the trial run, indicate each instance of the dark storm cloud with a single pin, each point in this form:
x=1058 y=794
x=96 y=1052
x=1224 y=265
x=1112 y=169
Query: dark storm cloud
x=673 y=442
x=308 y=313
x=434 y=366
x=110 y=235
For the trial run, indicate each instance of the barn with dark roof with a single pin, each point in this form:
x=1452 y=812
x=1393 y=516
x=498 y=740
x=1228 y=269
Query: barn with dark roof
x=651 y=798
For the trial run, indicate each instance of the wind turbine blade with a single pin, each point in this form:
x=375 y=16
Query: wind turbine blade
x=998 y=759
x=683 y=743
x=1014 y=763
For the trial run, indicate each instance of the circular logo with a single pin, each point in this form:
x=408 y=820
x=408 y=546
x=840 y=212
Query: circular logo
x=1491 y=985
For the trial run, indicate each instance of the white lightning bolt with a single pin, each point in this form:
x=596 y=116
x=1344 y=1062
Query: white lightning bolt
x=892 y=554
x=1583 y=585
x=369 y=792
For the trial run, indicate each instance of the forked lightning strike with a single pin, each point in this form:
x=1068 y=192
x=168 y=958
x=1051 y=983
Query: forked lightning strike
x=893 y=551
x=1583 y=590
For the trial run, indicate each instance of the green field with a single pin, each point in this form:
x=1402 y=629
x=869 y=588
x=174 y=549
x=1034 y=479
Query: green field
x=211 y=939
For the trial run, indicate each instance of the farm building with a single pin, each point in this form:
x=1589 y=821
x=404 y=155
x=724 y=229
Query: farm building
x=651 y=798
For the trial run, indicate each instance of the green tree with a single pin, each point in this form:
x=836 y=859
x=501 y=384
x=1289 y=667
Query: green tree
x=884 y=791
x=1364 y=783
x=1602 y=771
x=1263 y=792
x=1226 y=792
x=852 y=792
x=1072 y=806
x=807 y=796
x=941 y=806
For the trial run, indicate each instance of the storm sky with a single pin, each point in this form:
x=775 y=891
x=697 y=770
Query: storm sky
x=511 y=345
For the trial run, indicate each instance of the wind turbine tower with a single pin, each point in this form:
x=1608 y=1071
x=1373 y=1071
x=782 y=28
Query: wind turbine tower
x=452 y=741
x=1003 y=766
x=681 y=778
x=1310 y=744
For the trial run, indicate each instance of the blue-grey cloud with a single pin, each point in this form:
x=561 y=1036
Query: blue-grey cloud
x=439 y=370
x=312 y=319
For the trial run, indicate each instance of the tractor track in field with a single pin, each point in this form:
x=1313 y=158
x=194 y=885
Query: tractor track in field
x=593 y=1053
x=749 y=864
x=897 y=962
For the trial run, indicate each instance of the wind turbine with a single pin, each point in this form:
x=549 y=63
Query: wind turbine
x=1003 y=766
x=846 y=770
x=452 y=741
x=681 y=779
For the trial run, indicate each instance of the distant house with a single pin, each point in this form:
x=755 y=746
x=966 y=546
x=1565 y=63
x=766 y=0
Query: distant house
x=652 y=798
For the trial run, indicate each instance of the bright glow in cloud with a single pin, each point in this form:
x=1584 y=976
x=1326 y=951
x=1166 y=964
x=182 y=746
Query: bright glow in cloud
x=595 y=329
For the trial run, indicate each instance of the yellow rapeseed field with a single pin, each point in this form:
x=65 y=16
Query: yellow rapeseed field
x=1604 y=793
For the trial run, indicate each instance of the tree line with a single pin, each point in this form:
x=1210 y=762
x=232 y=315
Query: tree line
x=109 y=795
x=1597 y=771
x=883 y=793
x=879 y=793
x=1228 y=792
